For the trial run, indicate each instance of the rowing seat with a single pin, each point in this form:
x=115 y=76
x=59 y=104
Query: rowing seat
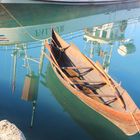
x=71 y=73
x=72 y=70
x=88 y=87
x=89 y=92
x=78 y=79
x=64 y=49
x=59 y=48
x=110 y=101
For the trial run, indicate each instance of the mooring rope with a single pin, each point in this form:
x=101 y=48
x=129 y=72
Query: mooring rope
x=14 y=18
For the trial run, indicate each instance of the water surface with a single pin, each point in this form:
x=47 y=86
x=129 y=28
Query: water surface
x=108 y=34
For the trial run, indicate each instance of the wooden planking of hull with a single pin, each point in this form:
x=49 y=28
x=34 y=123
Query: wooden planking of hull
x=92 y=85
x=88 y=119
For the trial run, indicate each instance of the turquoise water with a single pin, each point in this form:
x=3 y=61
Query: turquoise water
x=58 y=114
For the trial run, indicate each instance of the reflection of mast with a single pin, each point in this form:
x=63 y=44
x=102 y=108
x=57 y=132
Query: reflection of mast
x=30 y=91
x=14 y=70
x=107 y=59
x=33 y=112
x=31 y=82
x=41 y=58
x=91 y=51
x=105 y=35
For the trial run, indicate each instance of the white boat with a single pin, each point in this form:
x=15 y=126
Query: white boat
x=71 y=2
x=12 y=33
x=87 y=2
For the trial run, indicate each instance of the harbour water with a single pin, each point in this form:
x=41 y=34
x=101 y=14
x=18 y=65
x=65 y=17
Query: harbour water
x=108 y=34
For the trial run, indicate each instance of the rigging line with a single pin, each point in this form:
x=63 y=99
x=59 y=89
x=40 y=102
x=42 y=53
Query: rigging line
x=10 y=14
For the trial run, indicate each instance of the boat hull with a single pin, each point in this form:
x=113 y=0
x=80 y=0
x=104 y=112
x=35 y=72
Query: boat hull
x=88 y=119
x=122 y=120
x=88 y=2
x=128 y=121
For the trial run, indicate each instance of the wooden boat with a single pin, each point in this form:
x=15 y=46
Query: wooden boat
x=88 y=119
x=92 y=85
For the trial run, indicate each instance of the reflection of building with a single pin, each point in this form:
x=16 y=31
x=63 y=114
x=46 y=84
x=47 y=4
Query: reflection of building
x=105 y=35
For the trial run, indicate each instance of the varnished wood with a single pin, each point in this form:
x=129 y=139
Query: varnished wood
x=95 y=87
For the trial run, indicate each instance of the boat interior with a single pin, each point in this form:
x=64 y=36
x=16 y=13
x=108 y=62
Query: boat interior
x=88 y=77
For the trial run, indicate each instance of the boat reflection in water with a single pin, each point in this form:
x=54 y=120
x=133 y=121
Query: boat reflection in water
x=18 y=26
x=97 y=126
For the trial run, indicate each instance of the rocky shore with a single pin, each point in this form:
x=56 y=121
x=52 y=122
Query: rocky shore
x=8 y=131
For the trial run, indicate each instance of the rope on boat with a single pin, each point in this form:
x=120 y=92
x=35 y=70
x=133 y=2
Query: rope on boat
x=135 y=122
x=10 y=14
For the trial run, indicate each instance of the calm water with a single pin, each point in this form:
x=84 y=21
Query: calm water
x=106 y=34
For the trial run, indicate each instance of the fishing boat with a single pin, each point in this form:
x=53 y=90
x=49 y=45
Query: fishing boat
x=87 y=2
x=88 y=81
